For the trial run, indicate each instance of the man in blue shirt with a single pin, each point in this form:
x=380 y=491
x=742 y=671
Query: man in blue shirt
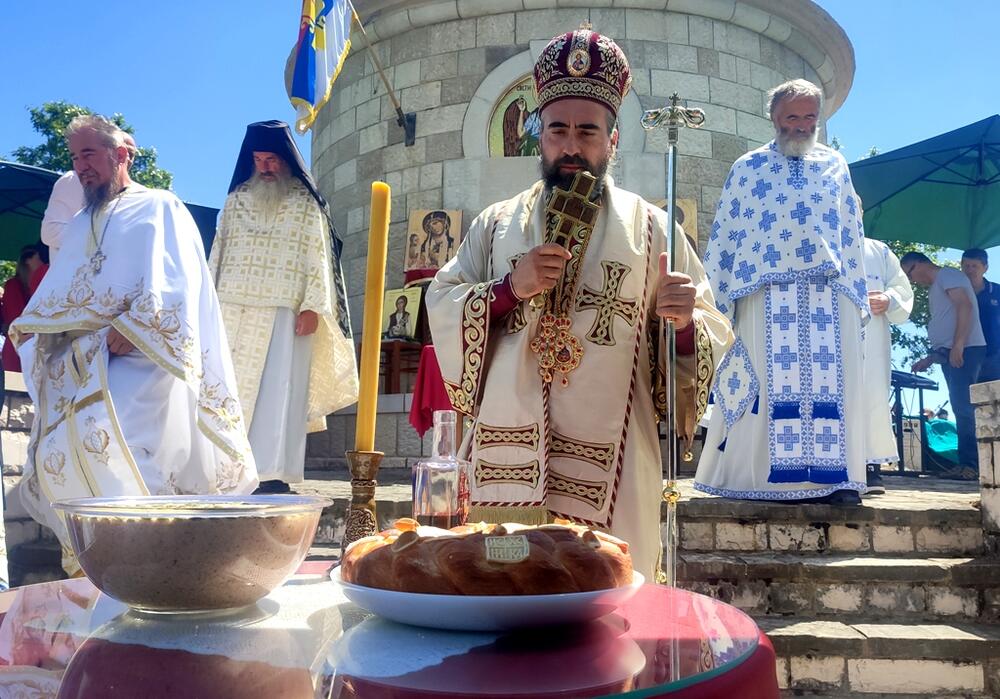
x=975 y=262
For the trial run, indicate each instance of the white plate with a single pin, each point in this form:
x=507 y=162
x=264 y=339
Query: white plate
x=487 y=612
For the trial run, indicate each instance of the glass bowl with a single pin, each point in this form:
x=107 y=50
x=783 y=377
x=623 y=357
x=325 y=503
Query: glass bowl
x=185 y=553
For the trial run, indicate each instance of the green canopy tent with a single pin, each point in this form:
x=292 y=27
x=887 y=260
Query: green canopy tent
x=24 y=194
x=943 y=191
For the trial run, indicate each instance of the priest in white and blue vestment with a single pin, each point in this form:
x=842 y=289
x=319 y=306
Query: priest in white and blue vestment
x=785 y=262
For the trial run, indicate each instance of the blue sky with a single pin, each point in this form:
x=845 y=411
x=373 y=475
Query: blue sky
x=190 y=79
x=190 y=76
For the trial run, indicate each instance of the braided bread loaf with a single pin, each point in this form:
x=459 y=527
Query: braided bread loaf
x=488 y=559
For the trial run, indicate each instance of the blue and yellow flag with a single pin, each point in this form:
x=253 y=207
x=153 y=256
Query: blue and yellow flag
x=324 y=42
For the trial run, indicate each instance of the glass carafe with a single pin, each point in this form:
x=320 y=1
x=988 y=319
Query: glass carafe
x=441 y=481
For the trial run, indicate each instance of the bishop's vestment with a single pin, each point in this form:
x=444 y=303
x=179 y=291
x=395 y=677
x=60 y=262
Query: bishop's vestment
x=785 y=263
x=162 y=419
x=587 y=451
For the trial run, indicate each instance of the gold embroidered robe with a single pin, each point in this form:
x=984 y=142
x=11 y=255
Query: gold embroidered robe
x=163 y=419
x=260 y=266
x=588 y=451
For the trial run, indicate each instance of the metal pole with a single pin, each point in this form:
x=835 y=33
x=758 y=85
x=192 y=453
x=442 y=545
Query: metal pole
x=898 y=422
x=674 y=117
x=407 y=122
x=670 y=493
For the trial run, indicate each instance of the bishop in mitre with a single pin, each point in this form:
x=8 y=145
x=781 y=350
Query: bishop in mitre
x=549 y=323
x=276 y=268
x=124 y=352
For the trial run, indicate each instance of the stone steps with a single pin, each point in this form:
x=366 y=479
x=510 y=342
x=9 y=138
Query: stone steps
x=916 y=516
x=902 y=525
x=828 y=586
x=853 y=657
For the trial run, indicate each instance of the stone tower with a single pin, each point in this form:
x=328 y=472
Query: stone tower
x=460 y=64
x=463 y=66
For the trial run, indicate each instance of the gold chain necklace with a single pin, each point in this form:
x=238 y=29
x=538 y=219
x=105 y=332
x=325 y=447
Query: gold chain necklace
x=98 y=257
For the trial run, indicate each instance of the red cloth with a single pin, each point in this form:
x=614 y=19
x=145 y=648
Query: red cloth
x=504 y=300
x=36 y=278
x=684 y=340
x=15 y=298
x=754 y=678
x=428 y=392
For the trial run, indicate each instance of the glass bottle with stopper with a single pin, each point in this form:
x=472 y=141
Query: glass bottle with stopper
x=441 y=481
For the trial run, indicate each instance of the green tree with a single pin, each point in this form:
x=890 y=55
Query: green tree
x=7 y=270
x=51 y=120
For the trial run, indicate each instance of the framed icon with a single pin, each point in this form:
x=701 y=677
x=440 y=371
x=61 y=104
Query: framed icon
x=432 y=238
x=401 y=313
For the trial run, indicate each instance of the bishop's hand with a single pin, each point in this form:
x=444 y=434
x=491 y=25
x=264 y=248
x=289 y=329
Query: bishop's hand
x=118 y=344
x=675 y=296
x=306 y=323
x=538 y=270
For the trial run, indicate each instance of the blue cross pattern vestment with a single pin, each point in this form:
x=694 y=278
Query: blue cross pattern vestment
x=802 y=211
x=790 y=227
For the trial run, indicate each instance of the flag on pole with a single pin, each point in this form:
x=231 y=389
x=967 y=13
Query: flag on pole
x=324 y=42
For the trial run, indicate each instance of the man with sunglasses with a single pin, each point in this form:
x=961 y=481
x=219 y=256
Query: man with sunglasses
x=957 y=342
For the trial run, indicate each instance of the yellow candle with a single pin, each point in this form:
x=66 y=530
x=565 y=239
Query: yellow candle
x=371 y=344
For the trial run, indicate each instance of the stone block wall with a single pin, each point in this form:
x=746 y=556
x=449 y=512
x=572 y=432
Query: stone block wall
x=986 y=400
x=394 y=436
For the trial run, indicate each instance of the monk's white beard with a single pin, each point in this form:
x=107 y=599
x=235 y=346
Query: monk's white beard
x=793 y=144
x=98 y=195
x=268 y=196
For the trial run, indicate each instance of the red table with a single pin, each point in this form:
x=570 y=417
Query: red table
x=306 y=640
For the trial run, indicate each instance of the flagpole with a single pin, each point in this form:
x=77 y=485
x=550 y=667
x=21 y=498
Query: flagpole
x=408 y=121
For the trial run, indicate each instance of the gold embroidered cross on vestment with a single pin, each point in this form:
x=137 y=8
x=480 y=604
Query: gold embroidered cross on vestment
x=569 y=220
x=608 y=304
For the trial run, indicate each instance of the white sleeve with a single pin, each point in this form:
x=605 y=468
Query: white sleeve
x=66 y=199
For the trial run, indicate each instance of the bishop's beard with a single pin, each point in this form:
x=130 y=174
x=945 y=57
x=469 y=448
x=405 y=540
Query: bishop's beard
x=269 y=195
x=795 y=143
x=98 y=195
x=553 y=178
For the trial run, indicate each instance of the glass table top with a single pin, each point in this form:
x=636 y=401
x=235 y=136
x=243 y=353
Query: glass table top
x=306 y=640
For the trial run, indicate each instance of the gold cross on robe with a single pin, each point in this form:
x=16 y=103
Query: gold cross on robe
x=608 y=304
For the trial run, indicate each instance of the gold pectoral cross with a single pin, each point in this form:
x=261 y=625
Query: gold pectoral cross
x=569 y=217
x=572 y=210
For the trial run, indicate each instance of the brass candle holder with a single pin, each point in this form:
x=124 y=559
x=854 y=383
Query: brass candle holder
x=361 y=518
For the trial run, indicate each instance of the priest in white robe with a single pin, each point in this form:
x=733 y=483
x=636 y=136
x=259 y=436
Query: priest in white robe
x=785 y=262
x=891 y=299
x=553 y=344
x=277 y=272
x=124 y=351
